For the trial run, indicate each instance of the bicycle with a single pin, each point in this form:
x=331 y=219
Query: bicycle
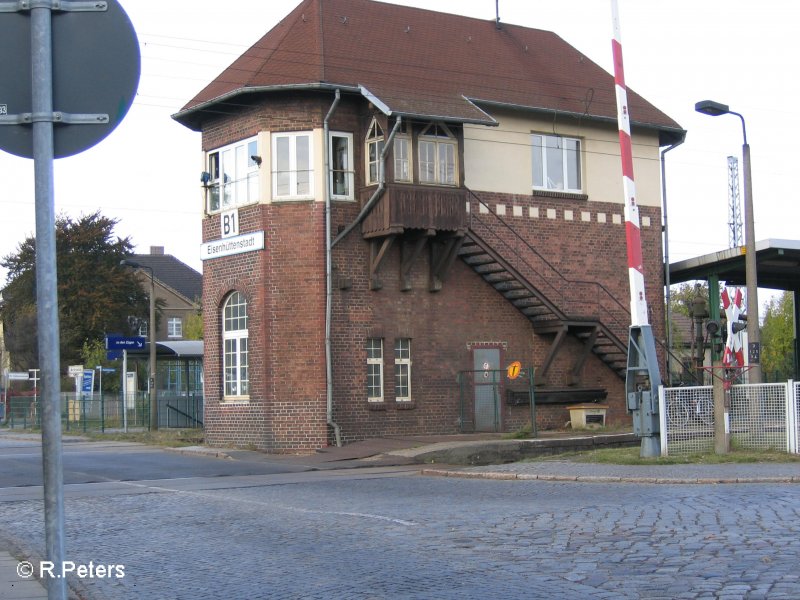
x=680 y=410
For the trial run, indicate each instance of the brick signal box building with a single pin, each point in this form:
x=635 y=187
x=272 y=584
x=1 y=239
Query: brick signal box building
x=466 y=177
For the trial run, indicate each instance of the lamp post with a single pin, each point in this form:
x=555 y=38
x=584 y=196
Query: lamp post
x=151 y=330
x=714 y=109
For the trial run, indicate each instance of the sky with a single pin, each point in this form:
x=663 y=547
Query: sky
x=744 y=54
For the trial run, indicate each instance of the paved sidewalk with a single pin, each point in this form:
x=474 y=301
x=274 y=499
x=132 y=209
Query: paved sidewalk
x=466 y=456
x=14 y=586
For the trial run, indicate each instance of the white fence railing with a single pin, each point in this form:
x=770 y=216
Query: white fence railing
x=761 y=417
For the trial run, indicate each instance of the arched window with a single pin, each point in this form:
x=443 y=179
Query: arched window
x=375 y=143
x=235 y=338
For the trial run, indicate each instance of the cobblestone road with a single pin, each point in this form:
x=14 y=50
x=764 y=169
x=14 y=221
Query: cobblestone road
x=419 y=537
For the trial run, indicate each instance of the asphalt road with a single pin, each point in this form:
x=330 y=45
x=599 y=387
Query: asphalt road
x=92 y=462
x=390 y=533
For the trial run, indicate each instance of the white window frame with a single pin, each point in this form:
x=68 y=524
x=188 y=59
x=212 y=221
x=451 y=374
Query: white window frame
x=347 y=171
x=571 y=161
x=174 y=327
x=374 y=347
x=235 y=346
x=402 y=370
x=233 y=176
x=400 y=161
x=439 y=137
x=374 y=146
x=293 y=171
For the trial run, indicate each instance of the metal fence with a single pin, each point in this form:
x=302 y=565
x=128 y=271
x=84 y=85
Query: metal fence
x=96 y=412
x=761 y=417
x=483 y=393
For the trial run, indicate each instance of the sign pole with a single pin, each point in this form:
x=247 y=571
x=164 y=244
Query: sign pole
x=46 y=292
x=125 y=390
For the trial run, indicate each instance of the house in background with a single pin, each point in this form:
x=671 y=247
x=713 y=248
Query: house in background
x=179 y=289
x=179 y=380
x=468 y=175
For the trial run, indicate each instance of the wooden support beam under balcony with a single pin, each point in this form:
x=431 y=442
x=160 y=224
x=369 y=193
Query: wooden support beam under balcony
x=404 y=206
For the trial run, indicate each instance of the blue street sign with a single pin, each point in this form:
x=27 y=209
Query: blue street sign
x=87 y=384
x=125 y=343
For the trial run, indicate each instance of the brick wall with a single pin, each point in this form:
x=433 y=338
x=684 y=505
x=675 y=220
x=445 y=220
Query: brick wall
x=580 y=243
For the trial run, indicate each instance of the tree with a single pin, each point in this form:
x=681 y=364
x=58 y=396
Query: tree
x=680 y=298
x=777 y=338
x=193 y=329
x=95 y=294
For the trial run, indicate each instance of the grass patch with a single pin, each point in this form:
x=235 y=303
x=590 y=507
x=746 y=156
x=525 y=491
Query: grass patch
x=171 y=438
x=630 y=456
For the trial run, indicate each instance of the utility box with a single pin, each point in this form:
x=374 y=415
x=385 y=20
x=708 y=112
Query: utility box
x=588 y=415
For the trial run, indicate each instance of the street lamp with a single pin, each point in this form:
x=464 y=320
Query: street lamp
x=151 y=330
x=714 y=109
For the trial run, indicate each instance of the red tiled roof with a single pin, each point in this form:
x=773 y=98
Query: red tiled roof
x=425 y=63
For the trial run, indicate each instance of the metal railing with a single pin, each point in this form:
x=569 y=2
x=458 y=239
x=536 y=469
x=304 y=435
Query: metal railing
x=761 y=417
x=101 y=412
x=551 y=282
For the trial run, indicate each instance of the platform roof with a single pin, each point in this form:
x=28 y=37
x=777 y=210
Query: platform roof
x=777 y=265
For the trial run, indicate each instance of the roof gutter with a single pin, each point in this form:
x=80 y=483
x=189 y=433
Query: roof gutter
x=676 y=133
x=186 y=114
x=378 y=192
x=329 y=273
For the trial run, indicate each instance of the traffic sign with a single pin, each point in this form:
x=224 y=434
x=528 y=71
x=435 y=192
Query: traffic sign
x=114 y=342
x=76 y=371
x=96 y=65
x=17 y=376
x=87 y=382
x=513 y=370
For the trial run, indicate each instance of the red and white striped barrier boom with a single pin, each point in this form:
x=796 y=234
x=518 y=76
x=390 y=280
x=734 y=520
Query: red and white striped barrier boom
x=632 y=227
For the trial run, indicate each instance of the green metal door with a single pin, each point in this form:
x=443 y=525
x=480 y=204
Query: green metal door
x=487 y=389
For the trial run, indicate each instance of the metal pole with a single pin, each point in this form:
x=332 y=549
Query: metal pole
x=152 y=331
x=125 y=391
x=46 y=293
x=751 y=274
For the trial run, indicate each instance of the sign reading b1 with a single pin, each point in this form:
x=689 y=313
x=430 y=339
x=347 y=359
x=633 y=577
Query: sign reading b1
x=229 y=223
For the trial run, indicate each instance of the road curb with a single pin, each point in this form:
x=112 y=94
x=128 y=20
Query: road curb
x=505 y=475
x=200 y=451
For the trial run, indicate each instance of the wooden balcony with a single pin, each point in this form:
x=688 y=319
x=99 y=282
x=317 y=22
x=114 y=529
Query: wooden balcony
x=404 y=207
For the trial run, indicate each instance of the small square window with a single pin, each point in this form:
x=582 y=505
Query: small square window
x=175 y=327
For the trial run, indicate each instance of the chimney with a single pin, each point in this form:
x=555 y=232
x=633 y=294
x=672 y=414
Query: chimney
x=157 y=250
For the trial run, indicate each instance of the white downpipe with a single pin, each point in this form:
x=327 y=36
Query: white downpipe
x=329 y=274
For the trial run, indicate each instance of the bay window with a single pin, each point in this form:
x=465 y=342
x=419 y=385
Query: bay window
x=292 y=166
x=341 y=159
x=437 y=155
x=375 y=143
x=232 y=176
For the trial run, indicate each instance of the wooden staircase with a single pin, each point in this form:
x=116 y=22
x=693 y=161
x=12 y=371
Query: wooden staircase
x=545 y=315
